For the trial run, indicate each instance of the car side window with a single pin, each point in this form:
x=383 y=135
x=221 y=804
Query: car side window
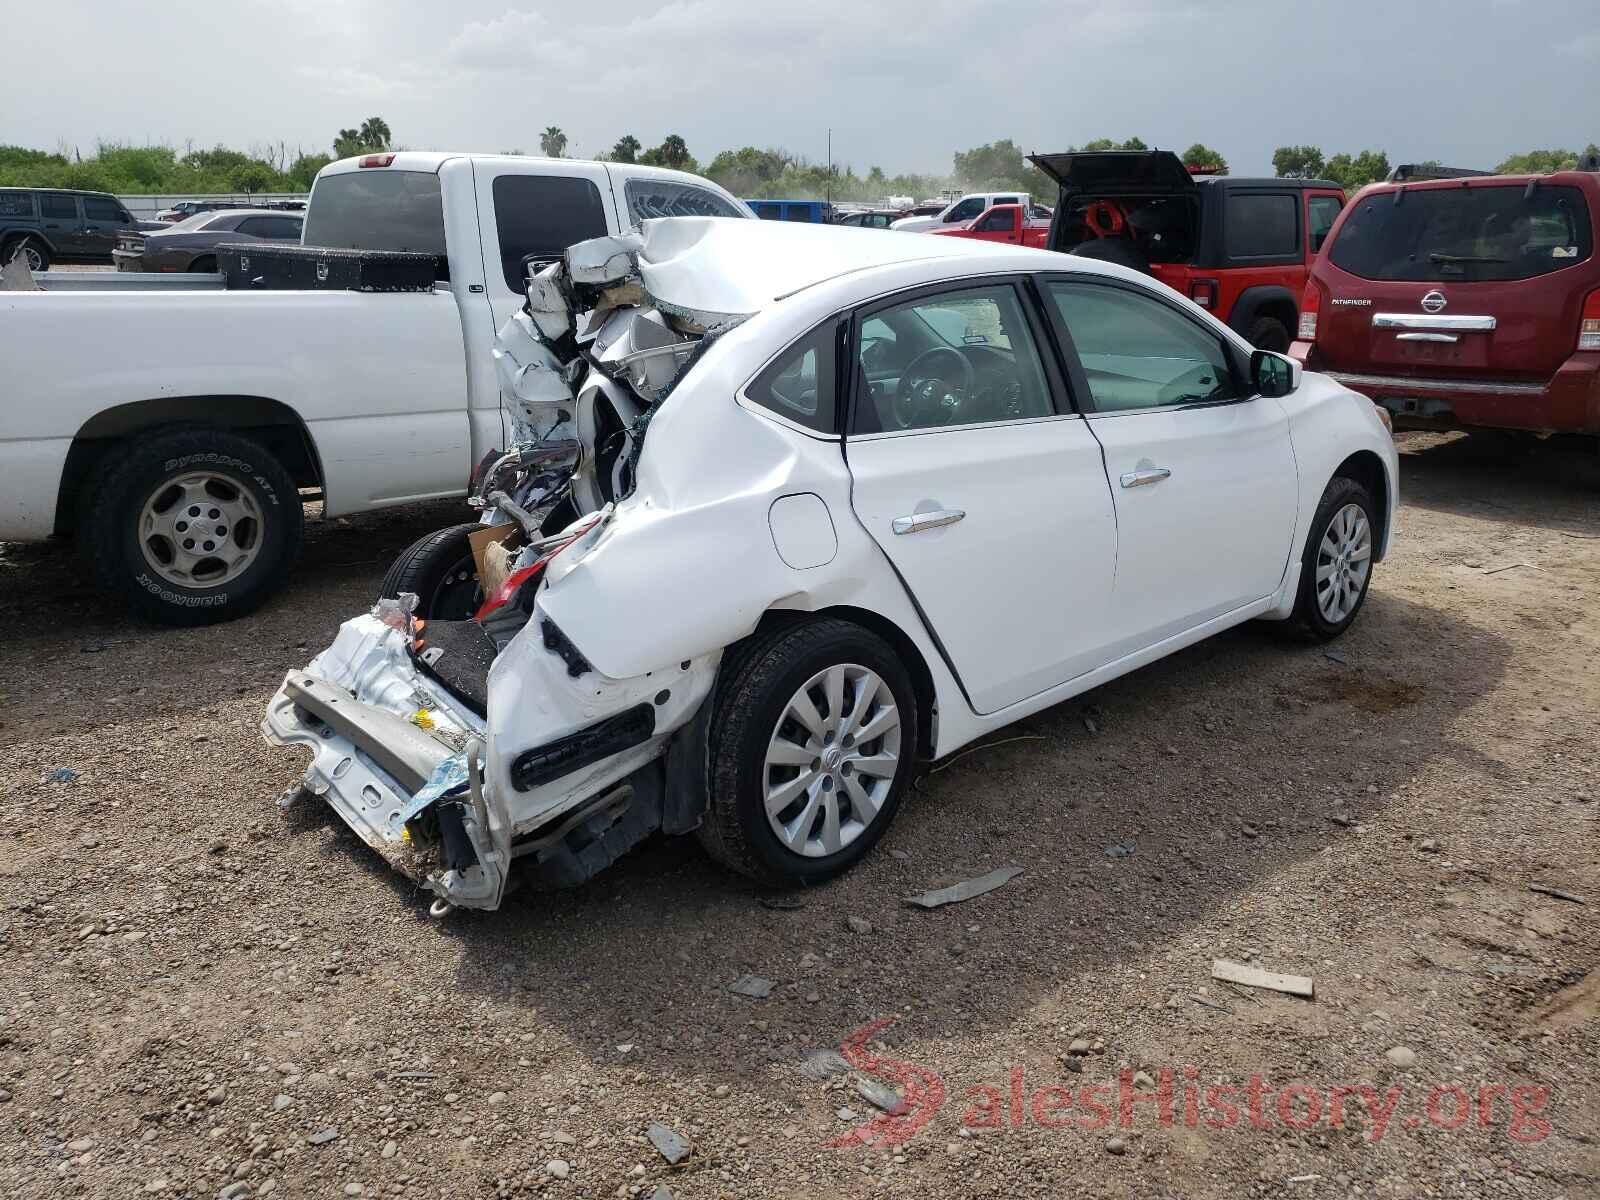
x=995 y=222
x=98 y=208
x=16 y=204
x=252 y=226
x=967 y=209
x=1138 y=352
x=53 y=206
x=799 y=384
x=964 y=357
x=1320 y=214
x=543 y=215
x=663 y=198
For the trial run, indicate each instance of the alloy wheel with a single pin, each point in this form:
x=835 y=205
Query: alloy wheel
x=200 y=530
x=1344 y=559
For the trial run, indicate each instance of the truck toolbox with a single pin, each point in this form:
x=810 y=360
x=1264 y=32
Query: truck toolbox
x=300 y=268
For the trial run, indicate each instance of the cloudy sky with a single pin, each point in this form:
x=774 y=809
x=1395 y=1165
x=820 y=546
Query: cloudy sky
x=903 y=84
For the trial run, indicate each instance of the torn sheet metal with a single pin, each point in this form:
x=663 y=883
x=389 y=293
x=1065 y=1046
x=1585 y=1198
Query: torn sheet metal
x=535 y=380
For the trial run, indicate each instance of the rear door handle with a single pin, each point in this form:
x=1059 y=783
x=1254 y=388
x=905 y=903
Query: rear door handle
x=933 y=519
x=1143 y=476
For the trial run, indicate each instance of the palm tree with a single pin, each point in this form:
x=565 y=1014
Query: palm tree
x=626 y=150
x=375 y=133
x=552 y=141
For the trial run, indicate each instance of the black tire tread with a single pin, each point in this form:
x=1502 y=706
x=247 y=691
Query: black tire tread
x=409 y=571
x=103 y=503
x=743 y=679
x=1341 y=490
x=1261 y=327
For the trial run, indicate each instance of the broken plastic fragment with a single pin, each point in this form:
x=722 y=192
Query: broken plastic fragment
x=396 y=611
x=671 y=1145
x=449 y=776
x=753 y=986
x=965 y=890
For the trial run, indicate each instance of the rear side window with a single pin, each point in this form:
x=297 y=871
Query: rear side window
x=377 y=209
x=1261 y=227
x=542 y=215
x=1497 y=232
x=16 y=204
x=1320 y=212
x=799 y=385
x=649 y=198
x=55 y=206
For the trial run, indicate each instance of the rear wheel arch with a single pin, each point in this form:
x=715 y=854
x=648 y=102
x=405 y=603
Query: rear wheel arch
x=1266 y=300
x=277 y=427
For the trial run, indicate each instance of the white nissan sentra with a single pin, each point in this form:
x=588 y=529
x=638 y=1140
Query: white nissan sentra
x=789 y=510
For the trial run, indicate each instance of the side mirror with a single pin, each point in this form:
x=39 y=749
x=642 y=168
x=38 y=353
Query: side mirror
x=1273 y=374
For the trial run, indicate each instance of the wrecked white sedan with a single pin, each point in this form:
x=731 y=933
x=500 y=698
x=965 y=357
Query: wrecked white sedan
x=790 y=511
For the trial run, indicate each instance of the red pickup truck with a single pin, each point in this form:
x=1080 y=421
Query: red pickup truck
x=1241 y=248
x=1008 y=223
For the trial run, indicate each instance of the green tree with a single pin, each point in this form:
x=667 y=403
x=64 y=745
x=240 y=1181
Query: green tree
x=673 y=152
x=1298 y=162
x=1542 y=162
x=1357 y=171
x=626 y=150
x=304 y=169
x=552 y=141
x=1200 y=155
x=375 y=133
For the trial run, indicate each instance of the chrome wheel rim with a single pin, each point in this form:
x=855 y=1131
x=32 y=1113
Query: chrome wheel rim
x=200 y=530
x=1344 y=559
x=831 y=760
x=34 y=258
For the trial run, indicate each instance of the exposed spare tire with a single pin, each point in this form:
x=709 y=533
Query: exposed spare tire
x=438 y=567
x=1122 y=251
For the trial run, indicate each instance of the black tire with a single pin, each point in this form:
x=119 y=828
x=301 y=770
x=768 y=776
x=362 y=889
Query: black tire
x=1308 y=613
x=754 y=686
x=36 y=251
x=1120 y=250
x=110 y=538
x=438 y=567
x=205 y=263
x=1269 y=333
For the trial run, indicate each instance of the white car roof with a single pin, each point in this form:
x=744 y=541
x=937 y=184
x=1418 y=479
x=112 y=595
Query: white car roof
x=714 y=265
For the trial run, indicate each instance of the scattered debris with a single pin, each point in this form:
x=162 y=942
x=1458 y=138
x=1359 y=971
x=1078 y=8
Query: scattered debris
x=61 y=775
x=753 y=986
x=1342 y=819
x=966 y=890
x=846 y=1114
x=1079 y=1046
x=1209 y=1002
x=1512 y=567
x=559 y=1167
x=323 y=1136
x=669 y=1143
x=1232 y=972
x=1557 y=893
x=858 y=924
x=1336 y=656
x=823 y=1064
x=1021 y=737
x=781 y=901
x=1116 y=1146
x=1303 y=1178
x=1403 y=1057
x=662 y=1192
x=1123 y=849
x=880 y=1095
x=1429 y=845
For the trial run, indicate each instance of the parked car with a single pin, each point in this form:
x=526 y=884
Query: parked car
x=1240 y=247
x=958 y=212
x=774 y=587
x=1007 y=223
x=813 y=211
x=230 y=401
x=184 y=209
x=876 y=218
x=46 y=225
x=191 y=245
x=1465 y=302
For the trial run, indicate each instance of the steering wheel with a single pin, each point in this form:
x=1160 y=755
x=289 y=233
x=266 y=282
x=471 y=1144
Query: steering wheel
x=928 y=396
x=1104 y=219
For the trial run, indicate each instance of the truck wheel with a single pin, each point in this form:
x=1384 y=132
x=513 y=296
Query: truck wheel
x=812 y=740
x=34 y=252
x=439 y=569
x=192 y=526
x=1269 y=333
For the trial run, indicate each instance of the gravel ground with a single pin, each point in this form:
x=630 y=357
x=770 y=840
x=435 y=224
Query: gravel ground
x=202 y=995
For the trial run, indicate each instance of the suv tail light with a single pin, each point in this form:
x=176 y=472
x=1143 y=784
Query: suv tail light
x=1310 y=302
x=1589 y=326
x=375 y=160
x=1204 y=293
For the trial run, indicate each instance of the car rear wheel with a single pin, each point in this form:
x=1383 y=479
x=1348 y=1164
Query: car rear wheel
x=813 y=738
x=1336 y=568
x=32 y=251
x=192 y=526
x=1269 y=333
x=440 y=569
x=205 y=263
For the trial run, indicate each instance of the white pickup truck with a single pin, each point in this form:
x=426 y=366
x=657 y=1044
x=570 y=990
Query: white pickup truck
x=960 y=211
x=172 y=426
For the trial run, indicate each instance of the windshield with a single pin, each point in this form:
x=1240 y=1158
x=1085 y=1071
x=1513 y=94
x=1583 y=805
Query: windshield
x=1506 y=231
x=377 y=209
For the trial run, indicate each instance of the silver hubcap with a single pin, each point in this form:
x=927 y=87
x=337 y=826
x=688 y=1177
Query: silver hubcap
x=1344 y=557
x=35 y=259
x=832 y=760
x=200 y=530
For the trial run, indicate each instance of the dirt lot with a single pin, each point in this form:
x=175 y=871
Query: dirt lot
x=202 y=995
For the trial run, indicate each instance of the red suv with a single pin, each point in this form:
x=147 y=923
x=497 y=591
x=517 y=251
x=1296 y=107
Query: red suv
x=1239 y=247
x=1464 y=301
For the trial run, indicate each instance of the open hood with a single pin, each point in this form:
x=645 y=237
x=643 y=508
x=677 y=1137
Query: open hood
x=1117 y=172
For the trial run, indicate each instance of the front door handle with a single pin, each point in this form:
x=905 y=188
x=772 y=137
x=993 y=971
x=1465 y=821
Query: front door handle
x=932 y=519
x=1144 y=476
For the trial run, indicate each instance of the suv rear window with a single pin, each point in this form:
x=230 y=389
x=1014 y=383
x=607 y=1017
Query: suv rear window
x=377 y=209
x=1469 y=234
x=16 y=204
x=1261 y=226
